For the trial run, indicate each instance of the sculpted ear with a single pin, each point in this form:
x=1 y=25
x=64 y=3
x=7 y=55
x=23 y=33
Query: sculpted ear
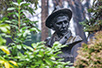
x=51 y=25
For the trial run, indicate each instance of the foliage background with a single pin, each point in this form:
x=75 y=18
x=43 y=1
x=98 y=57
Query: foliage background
x=89 y=55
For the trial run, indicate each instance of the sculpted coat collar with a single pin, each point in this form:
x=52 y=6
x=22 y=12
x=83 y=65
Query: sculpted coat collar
x=54 y=38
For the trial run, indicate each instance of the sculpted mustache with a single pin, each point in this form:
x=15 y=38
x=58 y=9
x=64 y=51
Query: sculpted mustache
x=63 y=29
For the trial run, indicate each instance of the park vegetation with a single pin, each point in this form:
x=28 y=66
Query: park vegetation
x=90 y=55
x=16 y=27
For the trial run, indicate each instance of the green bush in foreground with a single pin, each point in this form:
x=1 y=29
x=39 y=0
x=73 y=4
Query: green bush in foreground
x=37 y=56
x=40 y=56
x=90 y=56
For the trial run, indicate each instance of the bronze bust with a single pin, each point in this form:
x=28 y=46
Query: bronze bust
x=59 y=21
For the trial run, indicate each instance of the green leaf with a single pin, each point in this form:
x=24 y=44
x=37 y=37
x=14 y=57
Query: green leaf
x=19 y=34
x=9 y=9
x=56 y=45
x=1 y=21
x=39 y=55
x=19 y=46
x=60 y=66
x=90 y=10
x=16 y=14
x=24 y=2
x=4 y=49
x=7 y=36
x=2 y=41
x=23 y=10
x=19 y=1
x=15 y=3
x=20 y=55
x=7 y=65
x=48 y=61
x=72 y=67
x=30 y=10
x=31 y=49
x=13 y=62
x=8 y=21
x=35 y=52
x=42 y=65
x=53 y=58
x=5 y=28
x=26 y=33
x=35 y=3
x=33 y=29
x=25 y=28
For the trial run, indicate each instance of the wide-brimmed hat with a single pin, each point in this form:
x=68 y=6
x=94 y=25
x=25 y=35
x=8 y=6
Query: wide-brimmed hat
x=55 y=13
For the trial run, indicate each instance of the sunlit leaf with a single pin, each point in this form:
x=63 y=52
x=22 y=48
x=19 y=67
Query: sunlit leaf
x=13 y=62
x=8 y=21
x=52 y=57
x=29 y=48
x=2 y=41
x=19 y=46
x=26 y=33
x=1 y=21
x=33 y=29
x=12 y=8
x=23 y=2
x=15 y=3
x=5 y=28
x=7 y=65
x=4 y=49
x=1 y=61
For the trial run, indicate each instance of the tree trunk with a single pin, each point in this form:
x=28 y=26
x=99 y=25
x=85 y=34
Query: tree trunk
x=58 y=2
x=44 y=14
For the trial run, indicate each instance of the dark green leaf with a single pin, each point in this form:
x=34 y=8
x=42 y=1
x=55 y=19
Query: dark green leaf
x=19 y=1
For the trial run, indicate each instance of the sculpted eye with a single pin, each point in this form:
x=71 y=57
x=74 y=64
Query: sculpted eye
x=65 y=21
x=59 y=23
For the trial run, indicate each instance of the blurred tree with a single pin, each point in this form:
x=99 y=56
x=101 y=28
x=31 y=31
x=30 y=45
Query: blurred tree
x=89 y=55
x=4 y=4
x=58 y=2
x=44 y=14
x=94 y=24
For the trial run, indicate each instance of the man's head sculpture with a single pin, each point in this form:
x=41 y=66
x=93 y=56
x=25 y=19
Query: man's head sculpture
x=59 y=19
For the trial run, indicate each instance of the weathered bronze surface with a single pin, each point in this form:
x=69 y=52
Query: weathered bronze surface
x=59 y=21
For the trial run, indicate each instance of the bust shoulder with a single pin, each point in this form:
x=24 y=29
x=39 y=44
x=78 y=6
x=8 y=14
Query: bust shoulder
x=74 y=40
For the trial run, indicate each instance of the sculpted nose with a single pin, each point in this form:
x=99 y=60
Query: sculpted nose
x=63 y=24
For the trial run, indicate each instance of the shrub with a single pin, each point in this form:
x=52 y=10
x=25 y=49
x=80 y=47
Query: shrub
x=40 y=56
x=90 y=55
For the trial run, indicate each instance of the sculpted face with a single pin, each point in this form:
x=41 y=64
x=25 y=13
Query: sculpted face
x=61 y=24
